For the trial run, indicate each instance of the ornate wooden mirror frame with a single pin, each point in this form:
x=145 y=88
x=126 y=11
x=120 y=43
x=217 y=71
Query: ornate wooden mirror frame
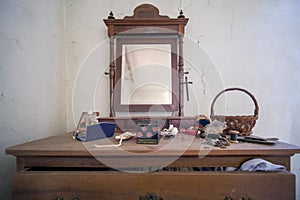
x=146 y=27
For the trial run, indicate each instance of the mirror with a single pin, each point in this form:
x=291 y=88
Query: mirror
x=146 y=62
x=146 y=74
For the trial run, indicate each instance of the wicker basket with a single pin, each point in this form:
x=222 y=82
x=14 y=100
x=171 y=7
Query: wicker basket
x=242 y=124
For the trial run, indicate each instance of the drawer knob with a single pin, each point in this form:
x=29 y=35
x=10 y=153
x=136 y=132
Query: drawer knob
x=244 y=198
x=59 y=198
x=76 y=198
x=150 y=196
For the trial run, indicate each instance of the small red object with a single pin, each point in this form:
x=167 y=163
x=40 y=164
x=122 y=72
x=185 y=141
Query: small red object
x=191 y=132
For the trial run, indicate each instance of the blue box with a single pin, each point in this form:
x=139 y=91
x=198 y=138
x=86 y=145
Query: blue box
x=97 y=131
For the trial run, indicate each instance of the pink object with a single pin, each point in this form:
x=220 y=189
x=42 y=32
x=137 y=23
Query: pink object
x=189 y=131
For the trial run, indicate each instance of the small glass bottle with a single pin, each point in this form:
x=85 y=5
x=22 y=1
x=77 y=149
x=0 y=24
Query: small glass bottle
x=90 y=118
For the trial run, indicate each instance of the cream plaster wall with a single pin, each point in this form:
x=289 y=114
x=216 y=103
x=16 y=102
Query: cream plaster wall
x=32 y=77
x=253 y=44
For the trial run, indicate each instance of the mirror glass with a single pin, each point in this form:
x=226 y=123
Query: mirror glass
x=146 y=74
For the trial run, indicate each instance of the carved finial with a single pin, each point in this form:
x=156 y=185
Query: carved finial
x=181 y=14
x=111 y=15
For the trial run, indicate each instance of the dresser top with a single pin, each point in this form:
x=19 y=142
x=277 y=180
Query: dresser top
x=182 y=144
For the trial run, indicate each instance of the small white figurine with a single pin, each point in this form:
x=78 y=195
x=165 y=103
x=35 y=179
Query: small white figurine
x=171 y=131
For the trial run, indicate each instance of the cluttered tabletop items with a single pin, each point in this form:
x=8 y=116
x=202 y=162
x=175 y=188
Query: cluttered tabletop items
x=177 y=149
x=153 y=132
x=218 y=131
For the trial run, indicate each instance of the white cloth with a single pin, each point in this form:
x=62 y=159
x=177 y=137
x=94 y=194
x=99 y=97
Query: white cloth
x=258 y=164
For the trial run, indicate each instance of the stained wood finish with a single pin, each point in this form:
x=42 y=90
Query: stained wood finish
x=167 y=185
x=145 y=24
x=63 y=151
x=150 y=18
x=120 y=41
x=130 y=123
x=65 y=145
x=60 y=167
x=71 y=169
x=129 y=161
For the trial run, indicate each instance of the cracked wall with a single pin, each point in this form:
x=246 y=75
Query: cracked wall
x=32 y=88
x=253 y=44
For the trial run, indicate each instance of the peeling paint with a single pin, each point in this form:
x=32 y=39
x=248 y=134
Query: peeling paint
x=203 y=82
x=226 y=55
x=72 y=2
x=232 y=20
x=180 y=4
x=120 y=14
x=19 y=45
x=2 y=98
x=185 y=7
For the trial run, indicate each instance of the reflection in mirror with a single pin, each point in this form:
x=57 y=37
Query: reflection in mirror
x=146 y=74
x=146 y=68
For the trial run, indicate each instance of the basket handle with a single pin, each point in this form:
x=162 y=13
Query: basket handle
x=212 y=114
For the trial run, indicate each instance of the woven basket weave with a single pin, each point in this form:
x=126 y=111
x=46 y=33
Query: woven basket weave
x=242 y=124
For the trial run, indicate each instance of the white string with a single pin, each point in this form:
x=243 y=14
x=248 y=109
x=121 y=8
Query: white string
x=109 y=145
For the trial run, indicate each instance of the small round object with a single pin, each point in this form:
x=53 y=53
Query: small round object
x=233 y=136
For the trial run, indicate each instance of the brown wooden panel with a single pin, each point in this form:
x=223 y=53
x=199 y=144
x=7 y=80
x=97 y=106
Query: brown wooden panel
x=142 y=29
x=167 y=185
x=65 y=145
x=130 y=123
x=155 y=162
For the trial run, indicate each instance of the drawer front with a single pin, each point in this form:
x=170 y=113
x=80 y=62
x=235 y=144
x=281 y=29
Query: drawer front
x=166 y=185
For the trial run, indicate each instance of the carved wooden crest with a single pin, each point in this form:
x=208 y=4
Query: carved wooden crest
x=145 y=11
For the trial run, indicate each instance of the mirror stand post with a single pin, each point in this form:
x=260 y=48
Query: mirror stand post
x=147 y=27
x=180 y=76
x=112 y=76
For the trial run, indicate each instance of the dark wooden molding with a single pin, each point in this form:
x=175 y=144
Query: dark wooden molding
x=146 y=11
x=146 y=15
x=147 y=23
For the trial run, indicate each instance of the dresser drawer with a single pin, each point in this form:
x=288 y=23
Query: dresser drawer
x=165 y=184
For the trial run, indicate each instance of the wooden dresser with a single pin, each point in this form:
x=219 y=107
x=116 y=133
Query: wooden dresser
x=60 y=167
